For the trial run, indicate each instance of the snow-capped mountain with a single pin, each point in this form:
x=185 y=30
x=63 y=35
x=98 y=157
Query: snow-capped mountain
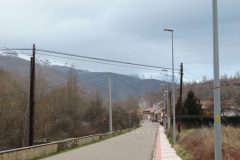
x=55 y=72
x=39 y=60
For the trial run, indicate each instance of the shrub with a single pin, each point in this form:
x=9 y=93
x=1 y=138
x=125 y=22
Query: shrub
x=200 y=143
x=204 y=121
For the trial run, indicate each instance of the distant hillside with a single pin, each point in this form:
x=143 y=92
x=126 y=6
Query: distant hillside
x=123 y=86
x=230 y=91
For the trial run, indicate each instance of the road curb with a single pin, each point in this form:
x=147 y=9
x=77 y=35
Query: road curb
x=157 y=150
x=163 y=149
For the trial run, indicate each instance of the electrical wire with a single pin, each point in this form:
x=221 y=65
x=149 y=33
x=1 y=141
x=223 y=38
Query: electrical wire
x=125 y=83
x=15 y=49
x=83 y=58
x=90 y=77
x=193 y=75
x=102 y=59
x=92 y=59
x=105 y=63
x=95 y=62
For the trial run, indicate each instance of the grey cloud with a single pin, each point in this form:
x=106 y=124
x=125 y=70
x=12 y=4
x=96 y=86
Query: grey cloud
x=125 y=30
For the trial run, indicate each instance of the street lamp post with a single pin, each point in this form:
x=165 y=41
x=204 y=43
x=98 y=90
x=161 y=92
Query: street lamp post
x=110 y=103
x=173 y=90
x=216 y=87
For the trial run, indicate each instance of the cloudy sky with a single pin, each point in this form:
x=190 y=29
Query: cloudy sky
x=127 y=30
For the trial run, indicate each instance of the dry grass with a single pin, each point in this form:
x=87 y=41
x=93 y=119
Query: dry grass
x=200 y=143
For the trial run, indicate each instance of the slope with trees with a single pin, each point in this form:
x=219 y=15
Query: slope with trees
x=61 y=111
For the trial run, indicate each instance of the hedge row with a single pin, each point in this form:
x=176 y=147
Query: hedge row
x=201 y=121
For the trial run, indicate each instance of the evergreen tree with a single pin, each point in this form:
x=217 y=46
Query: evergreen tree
x=192 y=105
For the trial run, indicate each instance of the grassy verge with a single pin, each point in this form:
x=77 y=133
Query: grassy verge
x=198 y=144
x=183 y=153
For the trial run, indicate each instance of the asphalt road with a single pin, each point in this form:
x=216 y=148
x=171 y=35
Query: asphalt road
x=136 y=145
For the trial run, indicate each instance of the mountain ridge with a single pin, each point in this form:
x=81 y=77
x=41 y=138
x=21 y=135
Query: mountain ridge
x=55 y=73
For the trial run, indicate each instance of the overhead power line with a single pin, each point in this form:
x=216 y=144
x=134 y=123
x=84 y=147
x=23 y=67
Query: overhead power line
x=15 y=49
x=105 y=60
x=192 y=74
x=114 y=76
x=92 y=61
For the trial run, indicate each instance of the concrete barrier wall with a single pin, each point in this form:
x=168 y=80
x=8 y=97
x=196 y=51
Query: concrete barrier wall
x=28 y=153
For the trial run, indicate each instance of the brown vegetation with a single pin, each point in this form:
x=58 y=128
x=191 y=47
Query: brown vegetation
x=230 y=87
x=200 y=143
x=61 y=111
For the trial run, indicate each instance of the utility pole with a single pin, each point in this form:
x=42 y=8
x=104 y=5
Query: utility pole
x=110 y=102
x=129 y=120
x=216 y=86
x=180 y=99
x=32 y=98
x=168 y=106
x=165 y=110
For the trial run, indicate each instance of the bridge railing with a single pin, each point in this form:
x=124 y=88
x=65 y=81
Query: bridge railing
x=37 y=151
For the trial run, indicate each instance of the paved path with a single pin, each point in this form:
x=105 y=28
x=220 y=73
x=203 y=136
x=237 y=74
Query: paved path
x=136 y=145
x=163 y=150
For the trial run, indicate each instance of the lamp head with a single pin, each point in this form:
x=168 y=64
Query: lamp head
x=168 y=30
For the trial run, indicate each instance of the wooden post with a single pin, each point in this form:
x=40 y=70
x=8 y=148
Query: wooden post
x=31 y=98
x=180 y=98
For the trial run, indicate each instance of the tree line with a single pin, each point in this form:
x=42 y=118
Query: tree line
x=62 y=111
